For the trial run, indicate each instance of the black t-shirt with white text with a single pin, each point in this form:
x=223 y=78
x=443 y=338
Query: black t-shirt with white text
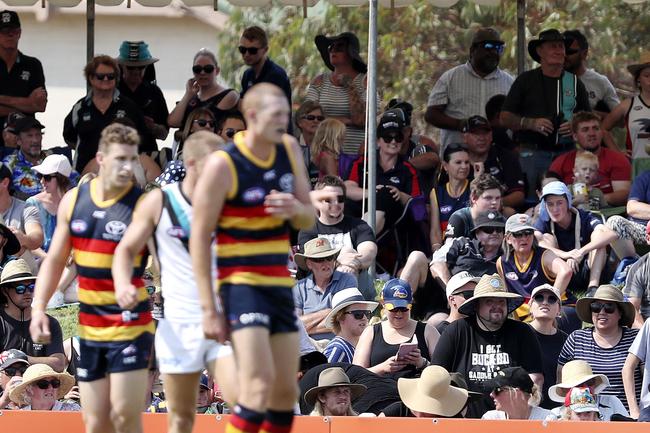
x=14 y=334
x=349 y=232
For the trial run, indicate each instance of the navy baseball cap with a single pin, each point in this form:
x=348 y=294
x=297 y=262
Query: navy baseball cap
x=397 y=294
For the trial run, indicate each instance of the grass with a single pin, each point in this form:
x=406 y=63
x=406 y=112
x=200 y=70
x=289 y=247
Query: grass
x=67 y=317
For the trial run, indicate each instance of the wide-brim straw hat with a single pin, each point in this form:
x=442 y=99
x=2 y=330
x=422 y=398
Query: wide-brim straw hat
x=576 y=373
x=315 y=249
x=644 y=62
x=331 y=378
x=343 y=299
x=491 y=286
x=606 y=293
x=432 y=393
x=36 y=372
x=15 y=271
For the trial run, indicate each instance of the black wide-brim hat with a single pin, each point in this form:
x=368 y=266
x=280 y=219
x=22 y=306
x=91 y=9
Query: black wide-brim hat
x=323 y=43
x=550 y=35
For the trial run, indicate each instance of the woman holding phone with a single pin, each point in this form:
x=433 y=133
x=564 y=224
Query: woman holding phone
x=398 y=346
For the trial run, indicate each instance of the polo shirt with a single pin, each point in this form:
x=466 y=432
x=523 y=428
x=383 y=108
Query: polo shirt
x=84 y=124
x=566 y=237
x=24 y=180
x=402 y=176
x=464 y=93
x=271 y=73
x=612 y=165
x=640 y=191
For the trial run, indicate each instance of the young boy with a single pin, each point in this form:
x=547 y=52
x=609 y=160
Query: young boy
x=585 y=195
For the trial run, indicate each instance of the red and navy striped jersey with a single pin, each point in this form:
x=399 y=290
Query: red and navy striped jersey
x=96 y=227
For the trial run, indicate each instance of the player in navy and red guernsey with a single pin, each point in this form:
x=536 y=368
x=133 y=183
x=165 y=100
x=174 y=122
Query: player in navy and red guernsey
x=115 y=327
x=250 y=192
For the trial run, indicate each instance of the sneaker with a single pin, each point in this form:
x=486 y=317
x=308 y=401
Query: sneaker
x=56 y=300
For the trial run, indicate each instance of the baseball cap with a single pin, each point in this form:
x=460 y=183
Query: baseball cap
x=54 y=164
x=393 y=119
x=518 y=223
x=489 y=219
x=204 y=382
x=397 y=294
x=476 y=123
x=515 y=377
x=485 y=34
x=10 y=121
x=581 y=399
x=458 y=281
x=27 y=123
x=9 y=19
x=11 y=357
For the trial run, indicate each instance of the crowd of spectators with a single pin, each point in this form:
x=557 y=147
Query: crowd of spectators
x=496 y=245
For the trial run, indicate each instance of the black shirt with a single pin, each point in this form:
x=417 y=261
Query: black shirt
x=478 y=355
x=84 y=124
x=349 y=232
x=466 y=254
x=535 y=95
x=149 y=98
x=551 y=346
x=25 y=76
x=271 y=73
x=14 y=334
x=460 y=224
x=504 y=165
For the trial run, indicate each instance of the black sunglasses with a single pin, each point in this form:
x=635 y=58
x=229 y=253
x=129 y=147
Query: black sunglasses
x=399 y=137
x=252 y=50
x=47 y=177
x=399 y=310
x=522 y=234
x=208 y=69
x=550 y=299
x=12 y=371
x=203 y=123
x=230 y=132
x=339 y=199
x=360 y=314
x=323 y=259
x=101 y=77
x=311 y=117
x=466 y=294
x=490 y=230
x=597 y=307
x=22 y=288
x=492 y=46
x=44 y=384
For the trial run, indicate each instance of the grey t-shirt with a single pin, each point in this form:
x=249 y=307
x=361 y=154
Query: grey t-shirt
x=18 y=216
x=599 y=89
x=637 y=282
x=640 y=348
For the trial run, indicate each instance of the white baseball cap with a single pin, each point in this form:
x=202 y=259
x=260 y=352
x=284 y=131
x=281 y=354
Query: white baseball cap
x=458 y=281
x=54 y=164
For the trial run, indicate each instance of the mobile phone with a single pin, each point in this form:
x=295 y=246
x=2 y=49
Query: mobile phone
x=405 y=349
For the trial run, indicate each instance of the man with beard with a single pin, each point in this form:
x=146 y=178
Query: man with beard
x=614 y=169
x=484 y=343
x=602 y=95
x=540 y=105
x=29 y=138
x=464 y=90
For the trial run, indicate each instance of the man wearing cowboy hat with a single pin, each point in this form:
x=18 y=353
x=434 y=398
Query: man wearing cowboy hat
x=540 y=105
x=313 y=294
x=463 y=90
x=17 y=292
x=485 y=342
x=334 y=394
x=134 y=60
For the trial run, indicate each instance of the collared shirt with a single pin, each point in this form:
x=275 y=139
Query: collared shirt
x=271 y=73
x=465 y=93
x=25 y=181
x=309 y=299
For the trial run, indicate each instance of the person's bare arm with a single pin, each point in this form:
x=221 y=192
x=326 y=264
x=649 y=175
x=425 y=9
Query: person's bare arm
x=364 y=346
x=629 y=384
x=538 y=379
x=55 y=360
x=314 y=322
x=621 y=189
x=514 y=199
x=357 y=105
x=33 y=236
x=354 y=191
x=36 y=102
x=329 y=164
x=440 y=270
x=514 y=122
x=151 y=168
x=558 y=374
x=143 y=223
x=638 y=318
x=300 y=212
x=207 y=203
x=548 y=241
x=367 y=253
x=435 y=115
x=175 y=118
x=638 y=209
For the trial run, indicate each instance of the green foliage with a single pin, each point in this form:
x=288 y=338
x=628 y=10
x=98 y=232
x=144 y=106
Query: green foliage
x=419 y=42
x=67 y=317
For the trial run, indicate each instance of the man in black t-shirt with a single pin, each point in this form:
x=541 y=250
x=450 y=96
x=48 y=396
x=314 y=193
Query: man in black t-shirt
x=486 y=342
x=22 y=82
x=17 y=291
x=540 y=105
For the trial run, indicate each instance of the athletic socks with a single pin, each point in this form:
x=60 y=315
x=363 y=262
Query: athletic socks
x=277 y=422
x=244 y=420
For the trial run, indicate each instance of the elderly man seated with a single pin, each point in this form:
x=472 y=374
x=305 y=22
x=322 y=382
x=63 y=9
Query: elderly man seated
x=312 y=295
x=334 y=394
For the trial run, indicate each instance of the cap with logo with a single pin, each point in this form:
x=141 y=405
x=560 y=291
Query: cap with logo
x=476 y=123
x=458 y=281
x=12 y=356
x=391 y=120
x=489 y=219
x=9 y=19
x=397 y=293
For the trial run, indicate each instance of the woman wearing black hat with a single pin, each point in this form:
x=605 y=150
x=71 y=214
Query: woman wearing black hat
x=342 y=92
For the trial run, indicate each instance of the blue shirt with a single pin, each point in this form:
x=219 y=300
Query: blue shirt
x=640 y=191
x=339 y=350
x=566 y=237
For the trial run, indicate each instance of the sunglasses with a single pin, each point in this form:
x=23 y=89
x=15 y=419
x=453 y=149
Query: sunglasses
x=203 y=123
x=22 y=288
x=44 y=384
x=101 y=77
x=311 y=117
x=493 y=46
x=522 y=234
x=339 y=199
x=208 y=69
x=47 y=177
x=230 y=132
x=499 y=389
x=135 y=68
x=550 y=299
x=490 y=230
x=251 y=50
x=392 y=137
x=360 y=314
x=150 y=290
x=399 y=310
x=12 y=371
x=323 y=259
x=337 y=47
x=597 y=307
x=466 y=294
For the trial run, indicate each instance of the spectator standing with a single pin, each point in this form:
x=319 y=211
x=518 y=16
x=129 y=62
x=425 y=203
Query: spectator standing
x=463 y=91
x=43 y=389
x=22 y=82
x=334 y=394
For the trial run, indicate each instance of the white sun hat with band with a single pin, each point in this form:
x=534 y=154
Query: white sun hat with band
x=343 y=299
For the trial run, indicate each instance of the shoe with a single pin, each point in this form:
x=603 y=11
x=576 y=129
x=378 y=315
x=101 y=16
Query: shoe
x=56 y=300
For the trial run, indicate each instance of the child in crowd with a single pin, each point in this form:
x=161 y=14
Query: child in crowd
x=546 y=178
x=585 y=195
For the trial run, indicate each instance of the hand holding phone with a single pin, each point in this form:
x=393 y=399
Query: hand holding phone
x=405 y=349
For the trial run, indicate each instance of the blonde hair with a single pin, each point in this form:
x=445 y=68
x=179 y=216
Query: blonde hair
x=328 y=137
x=255 y=97
x=586 y=157
x=117 y=133
x=201 y=144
